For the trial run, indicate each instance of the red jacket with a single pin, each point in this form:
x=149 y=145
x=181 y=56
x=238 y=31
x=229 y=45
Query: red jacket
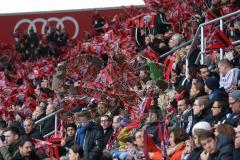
x=177 y=155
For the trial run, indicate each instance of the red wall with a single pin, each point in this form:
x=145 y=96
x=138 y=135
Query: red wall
x=83 y=19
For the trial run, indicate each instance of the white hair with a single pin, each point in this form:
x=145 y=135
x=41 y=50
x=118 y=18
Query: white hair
x=178 y=37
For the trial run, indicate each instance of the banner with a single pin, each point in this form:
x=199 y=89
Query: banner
x=75 y=22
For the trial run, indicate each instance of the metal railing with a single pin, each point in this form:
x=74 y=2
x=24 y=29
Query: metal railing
x=55 y=114
x=176 y=48
x=200 y=32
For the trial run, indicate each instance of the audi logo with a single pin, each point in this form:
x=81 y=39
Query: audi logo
x=60 y=23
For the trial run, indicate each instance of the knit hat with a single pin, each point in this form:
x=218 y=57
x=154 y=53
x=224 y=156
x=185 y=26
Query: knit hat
x=235 y=95
x=212 y=83
x=202 y=125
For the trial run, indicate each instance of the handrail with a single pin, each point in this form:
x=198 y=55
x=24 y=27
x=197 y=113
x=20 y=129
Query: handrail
x=200 y=30
x=46 y=117
x=56 y=117
x=236 y=42
x=193 y=42
x=176 y=48
x=55 y=122
x=219 y=18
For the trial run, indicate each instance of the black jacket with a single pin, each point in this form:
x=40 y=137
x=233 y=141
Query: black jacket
x=48 y=125
x=107 y=134
x=225 y=148
x=39 y=125
x=69 y=143
x=181 y=121
x=8 y=152
x=18 y=156
x=195 y=154
x=236 y=154
x=35 y=134
x=232 y=119
x=218 y=118
x=195 y=119
x=93 y=142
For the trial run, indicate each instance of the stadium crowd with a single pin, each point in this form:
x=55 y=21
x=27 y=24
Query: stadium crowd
x=117 y=100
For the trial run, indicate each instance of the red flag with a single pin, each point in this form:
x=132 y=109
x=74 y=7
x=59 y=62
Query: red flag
x=219 y=40
x=167 y=66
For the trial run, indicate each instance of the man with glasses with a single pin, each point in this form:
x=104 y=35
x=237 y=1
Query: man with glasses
x=219 y=110
x=234 y=104
x=200 y=112
x=106 y=124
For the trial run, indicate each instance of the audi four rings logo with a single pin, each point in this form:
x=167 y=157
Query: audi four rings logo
x=60 y=23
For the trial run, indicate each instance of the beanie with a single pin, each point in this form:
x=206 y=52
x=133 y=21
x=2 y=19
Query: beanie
x=212 y=83
x=202 y=125
x=235 y=95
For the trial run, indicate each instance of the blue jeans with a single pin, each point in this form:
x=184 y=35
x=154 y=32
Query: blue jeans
x=119 y=154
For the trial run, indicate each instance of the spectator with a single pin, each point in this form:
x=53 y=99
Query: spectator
x=39 y=112
x=144 y=77
x=152 y=127
x=137 y=151
x=102 y=109
x=177 y=138
x=228 y=75
x=200 y=112
x=31 y=131
x=197 y=90
x=220 y=148
x=98 y=23
x=211 y=85
x=80 y=134
x=19 y=118
x=58 y=82
x=237 y=143
x=206 y=73
x=63 y=38
x=93 y=139
x=75 y=153
x=3 y=125
x=33 y=37
x=48 y=125
x=225 y=129
x=175 y=40
x=11 y=135
x=25 y=149
x=52 y=35
x=219 y=111
x=234 y=104
x=68 y=140
x=112 y=142
x=196 y=131
x=184 y=112
x=106 y=124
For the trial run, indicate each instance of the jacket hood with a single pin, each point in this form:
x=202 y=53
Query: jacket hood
x=223 y=140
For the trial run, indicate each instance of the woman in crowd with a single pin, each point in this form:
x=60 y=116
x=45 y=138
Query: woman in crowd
x=75 y=153
x=177 y=143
